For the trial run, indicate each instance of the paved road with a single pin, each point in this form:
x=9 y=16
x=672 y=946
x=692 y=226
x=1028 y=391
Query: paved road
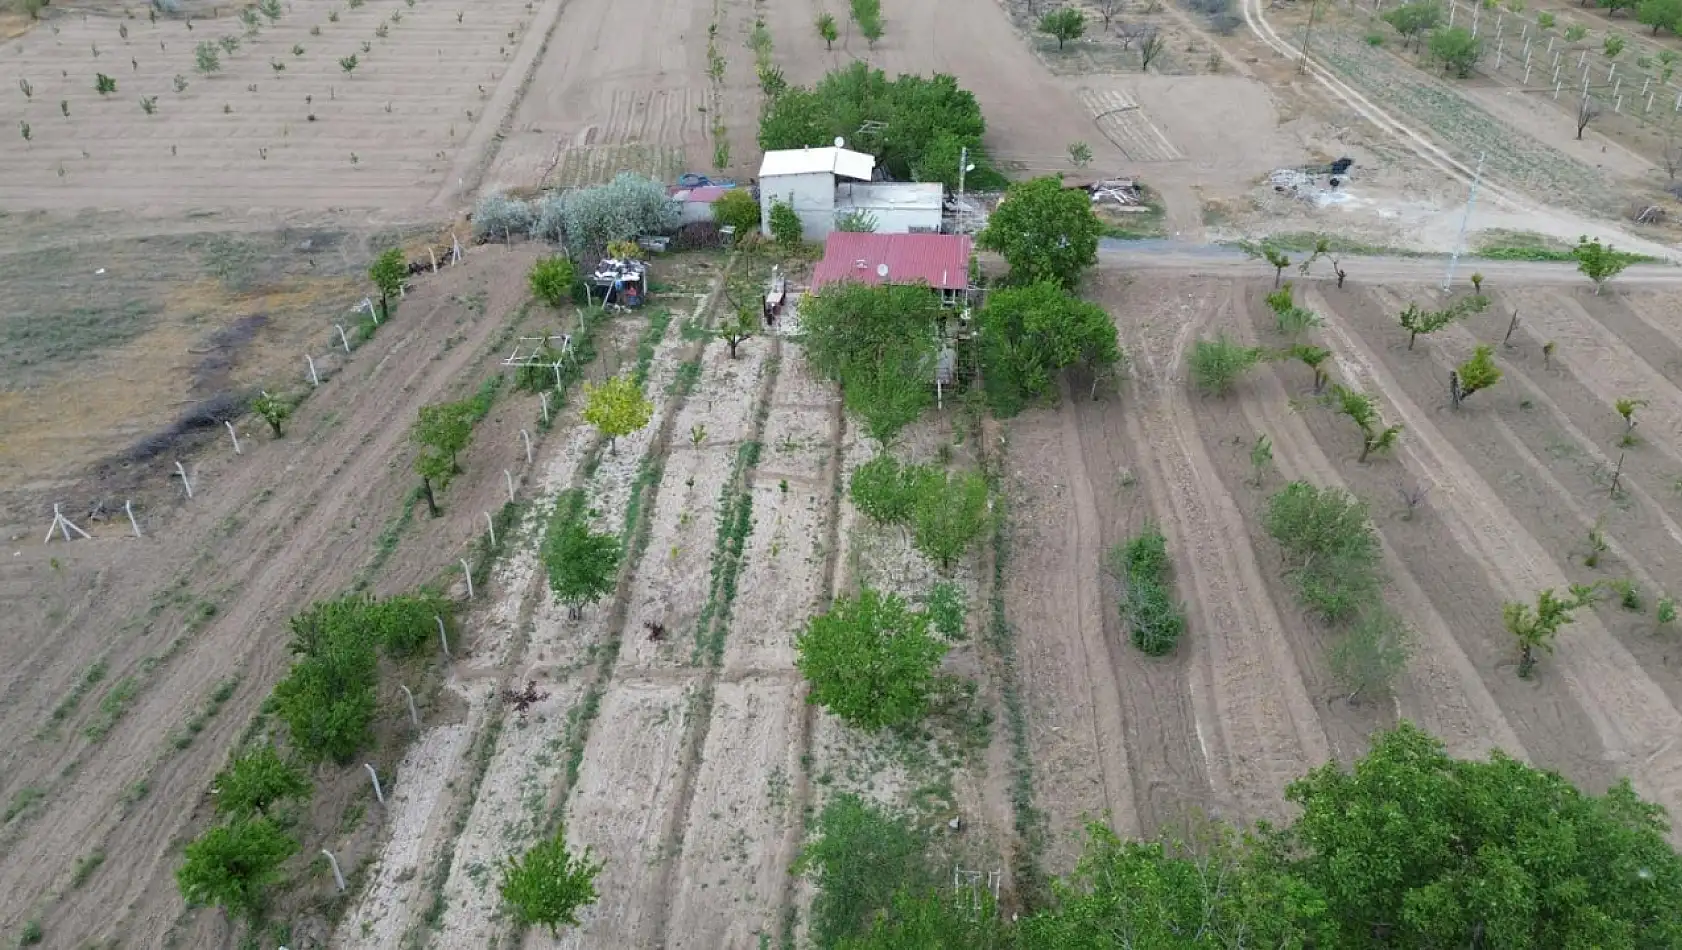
x=1218 y=259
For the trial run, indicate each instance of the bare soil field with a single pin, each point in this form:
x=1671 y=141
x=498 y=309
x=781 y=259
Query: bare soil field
x=308 y=135
x=1514 y=486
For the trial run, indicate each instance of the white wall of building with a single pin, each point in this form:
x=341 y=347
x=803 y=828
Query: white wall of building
x=813 y=198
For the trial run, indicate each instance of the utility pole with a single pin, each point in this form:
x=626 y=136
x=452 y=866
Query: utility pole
x=964 y=222
x=1308 y=34
x=1460 y=241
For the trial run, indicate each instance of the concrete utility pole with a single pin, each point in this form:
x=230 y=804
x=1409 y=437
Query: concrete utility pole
x=1460 y=241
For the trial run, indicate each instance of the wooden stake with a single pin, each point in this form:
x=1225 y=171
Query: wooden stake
x=1510 y=328
x=1617 y=474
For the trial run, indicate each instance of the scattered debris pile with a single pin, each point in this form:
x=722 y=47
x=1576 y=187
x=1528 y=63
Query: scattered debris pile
x=1314 y=183
x=1123 y=193
x=619 y=283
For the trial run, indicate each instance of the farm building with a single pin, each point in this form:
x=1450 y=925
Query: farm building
x=805 y=178
x=939 y=260
x=696 y=204
x=823 y=183
x=895 y=207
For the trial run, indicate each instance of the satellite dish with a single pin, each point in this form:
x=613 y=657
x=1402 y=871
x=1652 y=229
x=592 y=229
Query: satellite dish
x=881 y=270
x=840 y=142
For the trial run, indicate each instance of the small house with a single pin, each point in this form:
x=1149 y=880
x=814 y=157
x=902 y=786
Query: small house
x=805 y=178
x=695 y=205
x=940 y=261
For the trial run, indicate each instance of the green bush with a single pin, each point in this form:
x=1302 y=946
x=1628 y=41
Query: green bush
x=737 y=209
x=1216 y=364
x=785 y=225
x=884 y=490
x=552 y=279
x=1155 y=620
x=1331 y=550
x=870 y=660
x=947 y=607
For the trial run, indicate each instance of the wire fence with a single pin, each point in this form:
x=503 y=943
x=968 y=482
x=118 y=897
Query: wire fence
x=1518 y=49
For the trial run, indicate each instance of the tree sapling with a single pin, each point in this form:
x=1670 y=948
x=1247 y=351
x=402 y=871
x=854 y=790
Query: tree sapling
x=1358 y=406
x=1626 y=408
x=1477 y=373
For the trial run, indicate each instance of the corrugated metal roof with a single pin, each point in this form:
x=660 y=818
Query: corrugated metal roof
x=807 y=161
x=939 y=260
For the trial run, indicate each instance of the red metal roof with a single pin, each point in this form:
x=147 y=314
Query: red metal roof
x=939 y=260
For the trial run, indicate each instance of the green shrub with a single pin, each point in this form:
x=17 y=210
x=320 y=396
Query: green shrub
x=884 y=490
x=1331 y=550
x=737 y=209
x=1155 y=621
x=947 y=607
x=1216 y=364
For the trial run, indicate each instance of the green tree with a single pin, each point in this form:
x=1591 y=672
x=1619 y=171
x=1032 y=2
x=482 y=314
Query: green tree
x=388 y=272
x=1330 y=549
x=1063 y=25
x=870 y=660
x=1290 y=319
x=254 y=780
x=1029 y=333
x=1373 y=652
x=1155 y=620
x=1477 y=373
x=349 y=64
x=871 y=29
x=827 y=30
x=548 y=884
x=1659 y=14
x=1457 y=49
x=785 y=225
x=1218 y=891
x=1535 y=628
x=616 y=407
x=273 y=411
x=1412 y=848
x=889 y=393
x=552 y=280
x=1613 y=44
x=1275 y=258
x=861 y=857
x=445 y=429
x=1418 y=321
x=742 y=325
x=435 y=472
x=327 y=700
x=1414 y=20
x=951 y=512
x=884 y=490
x=1044 y=231
x=583 y=565
x=1361 y=410
x=1216 y=364
x=737 y=209
x=1600 y=263
x=230 y=865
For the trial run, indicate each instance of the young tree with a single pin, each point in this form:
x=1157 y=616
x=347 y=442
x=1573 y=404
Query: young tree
x=1044 y=232
x=871 y=29
x=1313 y=357
x=616 y=407
x=1081 y=153
x=273 y=411
x=888 y=394
x=1626 y=408
x=827 y=30
x=1600 y=263
x=870 y=660
x=435 y=472
x=388 y=273
x=445 y=428
x=327 y=701
x=1216 y=364
x=548 y=884
x=1613 y=44
x=254 y=780
x=583 y=566
x=229 y=865
x=1479 y=372
x=1156 y=622
x=1457 y=49
x=1358 y=406
x=1535 y=629
x=1322 y=248
x=349 y=64
x=207 y=58
x=1373 y=652
x=552 y=280
x=1108 y=9
x=884 y=490
x=950 y=513
x=1261 y=456
x=1587 y=111
x=1290 y=319
x=785 y=225
x=1151 y=45
x=742 y=326
x=1063 y=25
x=1417 y=321
x=1275 y=258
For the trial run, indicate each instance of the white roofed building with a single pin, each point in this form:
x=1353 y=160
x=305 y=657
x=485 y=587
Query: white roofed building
x=806 y=179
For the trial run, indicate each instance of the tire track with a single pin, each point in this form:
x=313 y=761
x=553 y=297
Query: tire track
x=1245 y=681
x=1634 y=719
